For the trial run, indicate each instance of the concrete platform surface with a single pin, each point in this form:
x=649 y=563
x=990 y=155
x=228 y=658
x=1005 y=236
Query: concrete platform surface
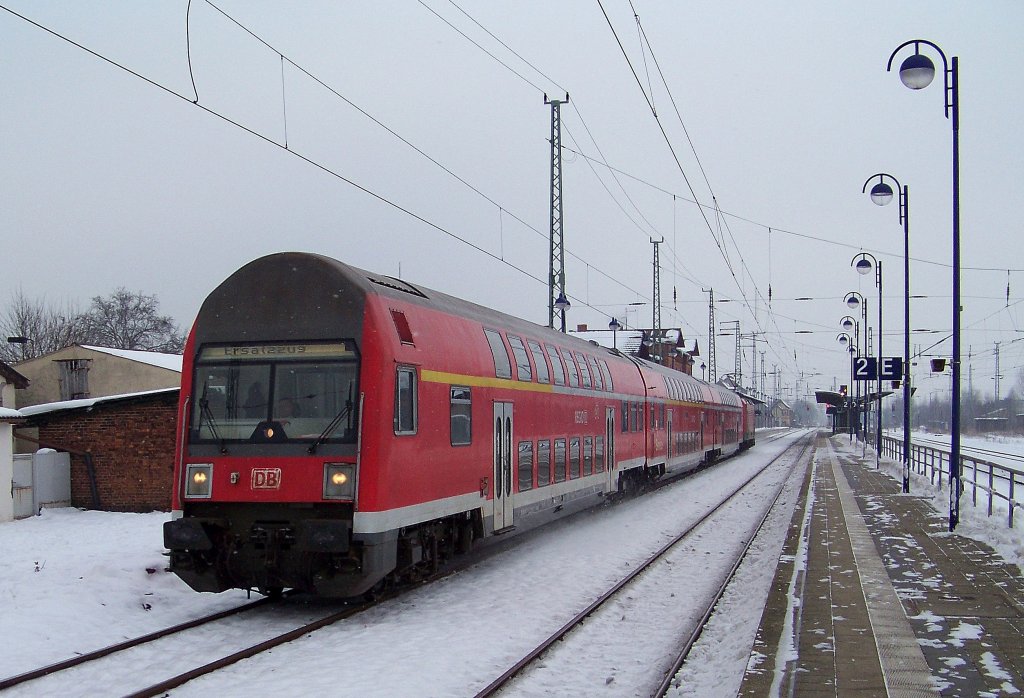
x=873 y=597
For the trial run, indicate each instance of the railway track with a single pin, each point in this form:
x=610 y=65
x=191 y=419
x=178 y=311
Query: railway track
x=622 y=587
x=984 y=453
x=77 y=660
x=110 y=662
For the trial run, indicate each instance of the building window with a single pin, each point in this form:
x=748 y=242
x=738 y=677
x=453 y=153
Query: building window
x=461 y=415
x=405 y=400
x=502 y=366
x=74 y=378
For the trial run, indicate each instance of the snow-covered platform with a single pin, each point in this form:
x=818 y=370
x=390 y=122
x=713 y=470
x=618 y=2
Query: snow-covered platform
x=873 y=596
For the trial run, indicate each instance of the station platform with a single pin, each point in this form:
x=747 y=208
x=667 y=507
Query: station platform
x=874 y=597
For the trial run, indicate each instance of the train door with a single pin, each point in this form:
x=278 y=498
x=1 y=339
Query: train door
x=609 y=451
x=502 y=465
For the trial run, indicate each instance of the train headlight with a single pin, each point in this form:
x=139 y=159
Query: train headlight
x=339 y=481
x=199 y=481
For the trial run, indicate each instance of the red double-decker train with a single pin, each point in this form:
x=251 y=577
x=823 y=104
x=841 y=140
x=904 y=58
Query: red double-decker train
x=340 y=428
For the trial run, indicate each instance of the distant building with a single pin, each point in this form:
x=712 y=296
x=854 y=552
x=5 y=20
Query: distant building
x=781 y=414
x=82 y=372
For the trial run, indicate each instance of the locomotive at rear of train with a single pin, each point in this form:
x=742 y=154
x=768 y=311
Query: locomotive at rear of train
x=340 y=428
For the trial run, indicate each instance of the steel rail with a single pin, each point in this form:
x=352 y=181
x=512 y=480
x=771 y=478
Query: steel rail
x=175 y=681
x=518 y=667
x=129 y=644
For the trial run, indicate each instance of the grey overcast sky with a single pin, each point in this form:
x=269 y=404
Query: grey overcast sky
x=109 y=180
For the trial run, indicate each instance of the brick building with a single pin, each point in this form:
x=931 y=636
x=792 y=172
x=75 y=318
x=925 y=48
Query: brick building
x=122 y=447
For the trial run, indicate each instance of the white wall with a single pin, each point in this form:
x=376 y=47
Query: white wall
x=6 y=473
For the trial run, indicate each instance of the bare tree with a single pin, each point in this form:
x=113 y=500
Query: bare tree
x=130 y=320
x=46 y=327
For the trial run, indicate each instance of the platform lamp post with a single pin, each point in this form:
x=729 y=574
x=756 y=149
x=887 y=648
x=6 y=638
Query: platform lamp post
x=562 y=304
x=881 y=194
x=863 y=264
x=917 y=72
x=850 y=324
x=855 y=300
x=614 y=326
x=847 y=342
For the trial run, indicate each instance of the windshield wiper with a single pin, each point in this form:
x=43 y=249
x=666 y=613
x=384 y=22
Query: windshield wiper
x=204 y=411
x=331 y=427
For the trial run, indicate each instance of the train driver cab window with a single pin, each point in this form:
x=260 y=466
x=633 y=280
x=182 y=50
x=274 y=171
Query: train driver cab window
x=405 y=400
x=523 y=370
x=281 y=393
x=502 y=366
x=461 y=415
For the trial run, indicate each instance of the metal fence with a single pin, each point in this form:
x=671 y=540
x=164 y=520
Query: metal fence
x=993 y=482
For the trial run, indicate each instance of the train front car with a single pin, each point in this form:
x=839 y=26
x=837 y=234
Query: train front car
x=267 y=445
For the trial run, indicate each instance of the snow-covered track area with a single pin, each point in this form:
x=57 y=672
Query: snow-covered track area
x=653 y=595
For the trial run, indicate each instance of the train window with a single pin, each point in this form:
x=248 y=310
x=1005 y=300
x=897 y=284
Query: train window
x=584 y=370
x=461 y=415
x=557 y=368
x=595 y=372
x=405 y=400
x=574 y=457
x=538 y=360
x=599 y=454
x=502 y=366
x=588 y=456
x=525 y=465
x=523 y=370
x=634 y=417
x=625 y=417
x=606 y=372
x=559 y=460
x=570 y=363
x=543 y=463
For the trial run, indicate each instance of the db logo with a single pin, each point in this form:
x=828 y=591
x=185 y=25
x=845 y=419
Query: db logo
x=266 y=478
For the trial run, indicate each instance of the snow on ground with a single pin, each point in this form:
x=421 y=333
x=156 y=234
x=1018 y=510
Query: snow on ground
x=75 y=581
x=974 y=520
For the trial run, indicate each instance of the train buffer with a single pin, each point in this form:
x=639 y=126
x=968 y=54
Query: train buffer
x=873 y=597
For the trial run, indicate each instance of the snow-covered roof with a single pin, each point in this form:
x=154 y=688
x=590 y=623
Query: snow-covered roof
x=33 y=410
x=171 y=362
x=7 y=414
